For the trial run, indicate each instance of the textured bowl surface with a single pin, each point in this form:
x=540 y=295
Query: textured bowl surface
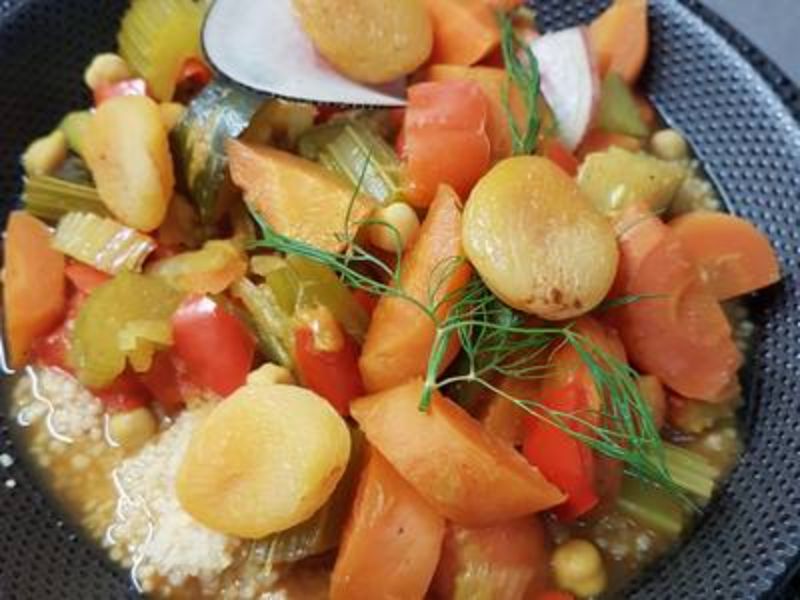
x=740 y=114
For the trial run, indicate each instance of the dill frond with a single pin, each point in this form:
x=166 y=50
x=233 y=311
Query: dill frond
x=523 y=72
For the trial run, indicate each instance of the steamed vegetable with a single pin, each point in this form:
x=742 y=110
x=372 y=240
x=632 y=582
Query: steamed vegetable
x=569 y=81
x=141 y=339
x=619 y=112
x=392 y=540
x=263 y=461
x=298 y=198
x=74 y=125
x=270 y=322
x=494 y=84
x=127 y=151
x=46 y=154
x=598 y=140
x=445 y=138
x=220 y=112
x=733 y=256
x=323 y=531
x=102 y=243
x=678 y=332
x=621 y=37
x=157 y=37
x=210 y=270
x=327 y=360
x=215 y=346
x=50 y=198
x=372 y=41
x=615 y=179
x=95 y=353
x=509 y=560
x=464 y=31
x=652 y=391
x=476 y=480
x=33 y=285
x=537 y=242
x=401 y=334
x=694 y=416
x=84 y=278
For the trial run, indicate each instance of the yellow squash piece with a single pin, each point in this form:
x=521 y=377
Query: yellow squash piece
x=266 y=458
x=127 y=150
x=298 y=198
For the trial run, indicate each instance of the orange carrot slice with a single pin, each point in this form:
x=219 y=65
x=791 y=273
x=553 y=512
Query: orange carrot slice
x=734 y=257
x=392 y=540
x=621 y=39
x=464 y=31
x=678 y=332
x=467 y=475
x=401 y=335
x=493 y=82
x=445 y=139
x=33 y=284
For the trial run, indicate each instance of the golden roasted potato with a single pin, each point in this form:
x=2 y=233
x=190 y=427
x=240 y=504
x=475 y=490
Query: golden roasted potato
x=373 y=41
x=537 y=242
x=127 y=150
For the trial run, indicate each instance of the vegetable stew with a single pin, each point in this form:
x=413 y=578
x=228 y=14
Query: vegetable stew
x=483 y=346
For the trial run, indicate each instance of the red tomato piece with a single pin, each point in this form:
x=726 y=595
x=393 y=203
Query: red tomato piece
x=445 y=138
x=126 y=393
x=164 y=383
x=126 y=87
x=563 y=460
x=333 y=375
x=217 y=348
x=51 y=350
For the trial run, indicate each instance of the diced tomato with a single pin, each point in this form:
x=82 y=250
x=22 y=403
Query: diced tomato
x=333 y=375
x=194 y=76
x=51 y=350
x=126 y=393
x=127 y=87
x=217 y=348
x=445 y=138
x=85 y=278
x=559 y=154
x=366 y=300
x=163 y=382
x=561 y=458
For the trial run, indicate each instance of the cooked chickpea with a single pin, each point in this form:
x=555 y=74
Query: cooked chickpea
x=46 y=154
x=270 y=374
x=398 y=225
x=668 y=144
x=106 y=69
x=578 y=568
x=171 y=114
x=132 y=429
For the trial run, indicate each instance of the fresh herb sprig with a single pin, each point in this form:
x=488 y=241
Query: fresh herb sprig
x=497 y=341
x=523 y=72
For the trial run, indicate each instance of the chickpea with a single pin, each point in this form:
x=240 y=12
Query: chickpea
x=270 y=374
x=132 y=429
x=46 y=154
x=399 y=226
x=668 y=144
x=578 y=568
x=106 y=69
x=171 y=114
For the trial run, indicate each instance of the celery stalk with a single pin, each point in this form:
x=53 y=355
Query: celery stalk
x=102 y=243
x=50 y=198
x=652 y=507
x=273 y=326
x=691 y=471
x=352 y=149
x=141 y=339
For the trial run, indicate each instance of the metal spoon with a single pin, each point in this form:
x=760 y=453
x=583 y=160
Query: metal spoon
x=260 y=45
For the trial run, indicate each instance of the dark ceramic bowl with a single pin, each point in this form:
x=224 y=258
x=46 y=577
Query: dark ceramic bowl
x=741 y=115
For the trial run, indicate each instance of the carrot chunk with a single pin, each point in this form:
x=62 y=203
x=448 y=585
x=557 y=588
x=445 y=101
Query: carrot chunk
x=621 y=39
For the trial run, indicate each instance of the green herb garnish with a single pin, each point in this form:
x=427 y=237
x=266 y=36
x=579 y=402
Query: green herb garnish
x=524 y=74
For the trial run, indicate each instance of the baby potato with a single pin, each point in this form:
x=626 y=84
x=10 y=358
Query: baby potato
x=127 y=150
x=537 y=242
x=373 y=41
x=264 y=460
